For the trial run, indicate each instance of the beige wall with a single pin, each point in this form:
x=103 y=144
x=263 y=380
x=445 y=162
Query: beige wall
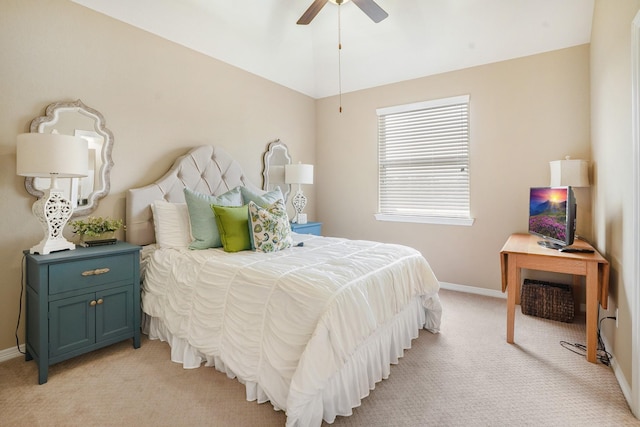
x=158 y=98
x=524 y=113
x=612 y=154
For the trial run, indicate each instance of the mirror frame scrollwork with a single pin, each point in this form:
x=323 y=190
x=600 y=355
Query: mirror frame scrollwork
x=51 y=117
x=267 y=165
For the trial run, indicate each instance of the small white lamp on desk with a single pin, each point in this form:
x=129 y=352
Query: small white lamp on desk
x=51 y=155
x=569 y=172
x=299 y=174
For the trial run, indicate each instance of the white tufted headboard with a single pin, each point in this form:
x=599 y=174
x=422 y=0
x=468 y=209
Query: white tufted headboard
x=205 y=169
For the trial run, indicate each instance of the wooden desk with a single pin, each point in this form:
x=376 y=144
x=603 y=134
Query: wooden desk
x=523 y=251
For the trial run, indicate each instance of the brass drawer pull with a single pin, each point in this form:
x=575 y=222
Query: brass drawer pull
x=100 y=301
x=95 y=272
x=92 y=303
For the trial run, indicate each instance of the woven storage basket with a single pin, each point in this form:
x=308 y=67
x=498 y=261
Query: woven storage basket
x=547 y=300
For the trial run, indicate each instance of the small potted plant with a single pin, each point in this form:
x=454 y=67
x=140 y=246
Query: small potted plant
x=97 y=230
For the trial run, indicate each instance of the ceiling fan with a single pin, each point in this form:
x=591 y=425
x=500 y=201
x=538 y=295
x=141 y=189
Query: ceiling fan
x=369 y=7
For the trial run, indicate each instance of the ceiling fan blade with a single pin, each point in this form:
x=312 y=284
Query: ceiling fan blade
x=311 y=13
x=371 y=8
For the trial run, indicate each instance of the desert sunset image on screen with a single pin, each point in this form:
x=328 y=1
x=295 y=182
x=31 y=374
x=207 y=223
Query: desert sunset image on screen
x=548 y=212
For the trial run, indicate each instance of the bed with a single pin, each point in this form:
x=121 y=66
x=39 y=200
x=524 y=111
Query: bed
x=310 y=328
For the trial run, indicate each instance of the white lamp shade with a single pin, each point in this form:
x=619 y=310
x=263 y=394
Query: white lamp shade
x=574 y=173
x=298 y=174
x=43 y=154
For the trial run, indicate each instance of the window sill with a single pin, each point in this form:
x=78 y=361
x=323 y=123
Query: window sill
x=426 y=219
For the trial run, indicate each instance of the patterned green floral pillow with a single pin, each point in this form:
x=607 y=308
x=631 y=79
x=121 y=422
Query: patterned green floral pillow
x=270 y=229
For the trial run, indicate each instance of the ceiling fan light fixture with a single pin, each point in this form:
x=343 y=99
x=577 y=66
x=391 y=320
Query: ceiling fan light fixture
x=369 y=7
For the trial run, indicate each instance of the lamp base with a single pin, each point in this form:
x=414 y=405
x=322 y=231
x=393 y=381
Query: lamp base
x=53 y=211
x=299 y=202
x=46 y=246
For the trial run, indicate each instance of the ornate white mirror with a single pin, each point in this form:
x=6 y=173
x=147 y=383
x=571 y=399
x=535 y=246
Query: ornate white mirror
x=75 y=118
x=273 y=162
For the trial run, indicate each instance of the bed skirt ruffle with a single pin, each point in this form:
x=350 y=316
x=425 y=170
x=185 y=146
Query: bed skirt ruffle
x=369 y=364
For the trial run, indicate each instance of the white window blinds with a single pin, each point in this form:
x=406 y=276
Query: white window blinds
x=424 y=159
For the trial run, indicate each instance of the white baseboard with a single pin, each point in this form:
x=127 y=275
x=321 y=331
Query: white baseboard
x=10 y=353
x=473 y=290
x=617 y=371
x=484 y=291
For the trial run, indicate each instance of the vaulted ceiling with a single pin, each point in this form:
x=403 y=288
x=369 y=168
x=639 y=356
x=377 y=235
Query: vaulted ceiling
x=419 y=38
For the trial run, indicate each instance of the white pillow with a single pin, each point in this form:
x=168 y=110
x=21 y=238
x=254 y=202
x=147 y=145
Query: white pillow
x=171 y=223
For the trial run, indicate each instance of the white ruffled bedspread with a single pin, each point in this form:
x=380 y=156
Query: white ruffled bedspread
x=310 y=329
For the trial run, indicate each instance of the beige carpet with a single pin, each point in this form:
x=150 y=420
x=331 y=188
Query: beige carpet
x=465 y=376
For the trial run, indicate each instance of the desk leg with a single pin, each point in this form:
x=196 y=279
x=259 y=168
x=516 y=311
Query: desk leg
x=513 y=277
x=592 y=310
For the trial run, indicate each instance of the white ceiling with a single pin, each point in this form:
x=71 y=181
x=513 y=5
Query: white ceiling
x=419 y=38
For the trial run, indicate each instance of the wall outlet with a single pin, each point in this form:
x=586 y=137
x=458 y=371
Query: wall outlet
x=616 y=317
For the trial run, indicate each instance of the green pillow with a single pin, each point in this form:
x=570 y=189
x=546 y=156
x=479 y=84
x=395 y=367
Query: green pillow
x=262 y=200
x=233 y=225
x=203 y=223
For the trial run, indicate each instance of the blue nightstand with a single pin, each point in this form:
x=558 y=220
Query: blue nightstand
x=314 y=228
x=81 y=300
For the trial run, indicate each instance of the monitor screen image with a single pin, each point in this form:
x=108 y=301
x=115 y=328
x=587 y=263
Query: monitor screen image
x=552 y=215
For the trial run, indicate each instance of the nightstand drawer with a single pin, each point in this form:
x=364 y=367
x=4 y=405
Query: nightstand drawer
x=314 y=228
x=69 y=276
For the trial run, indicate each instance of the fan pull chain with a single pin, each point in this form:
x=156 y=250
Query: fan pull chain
x=339 y=58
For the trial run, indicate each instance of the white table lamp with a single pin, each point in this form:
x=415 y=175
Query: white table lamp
x=299 y=174
x=50 y=155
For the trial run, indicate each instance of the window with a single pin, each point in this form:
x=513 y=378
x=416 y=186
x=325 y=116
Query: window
x=423 y=159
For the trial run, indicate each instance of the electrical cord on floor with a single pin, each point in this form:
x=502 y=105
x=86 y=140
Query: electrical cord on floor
x=601 y=352
x=20 y=303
